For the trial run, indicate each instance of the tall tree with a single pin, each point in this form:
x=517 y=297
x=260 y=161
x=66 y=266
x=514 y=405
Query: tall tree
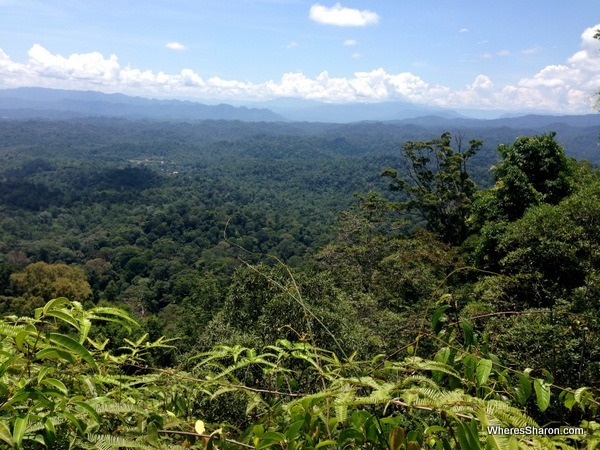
x=48 y=281
x=437 y=185
x=533 y=170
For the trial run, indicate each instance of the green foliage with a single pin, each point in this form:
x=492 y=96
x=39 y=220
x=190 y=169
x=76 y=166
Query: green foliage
x=65 y=389
x=437 y=184
x=546 y=263
x=330 y=353
x=265 y=304
x=366 y=404
x=534 y=170
x=48 y=281
x=371 y=254
x=365 y=235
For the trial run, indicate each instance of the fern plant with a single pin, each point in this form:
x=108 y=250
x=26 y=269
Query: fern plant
x=59 y=388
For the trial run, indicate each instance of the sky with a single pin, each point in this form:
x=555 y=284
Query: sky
x=458 y=54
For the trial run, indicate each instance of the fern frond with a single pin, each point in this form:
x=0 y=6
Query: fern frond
x=90 y=386
x=361 y=381
x=422 y=396
x=320 y=395
x=435 y=366
x=10 y=331
x=108 y=442
x=117 y=408
x=420 y=380
x=125 y=381
x=508 y=414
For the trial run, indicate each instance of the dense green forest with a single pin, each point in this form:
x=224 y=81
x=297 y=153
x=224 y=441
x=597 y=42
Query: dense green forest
x=269 y=285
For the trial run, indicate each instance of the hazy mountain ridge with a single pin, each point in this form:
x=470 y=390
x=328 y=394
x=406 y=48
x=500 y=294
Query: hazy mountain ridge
x=314 y=111
x=28 y=103
x=525 y=121
x=43 y=103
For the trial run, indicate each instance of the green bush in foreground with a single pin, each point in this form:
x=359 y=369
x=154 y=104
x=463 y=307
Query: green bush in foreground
x=60 y=388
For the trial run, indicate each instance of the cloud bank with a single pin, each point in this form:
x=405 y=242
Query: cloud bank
x=562 y=88
x=341 y=16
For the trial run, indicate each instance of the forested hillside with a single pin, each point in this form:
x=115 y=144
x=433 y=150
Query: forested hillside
x=270 y=285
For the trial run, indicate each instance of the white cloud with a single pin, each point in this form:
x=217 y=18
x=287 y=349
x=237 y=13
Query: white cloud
x=502 y=53
x=566 y=87
x=341 y=16
x=463 y=30
x=481 y=82
x=376 y=85
x=532 y=50
x=561 y=88
x=175 y=46
x=87 y=66
x=356 y=55
x=350 y=43
x=9 y=69
x=189 y=78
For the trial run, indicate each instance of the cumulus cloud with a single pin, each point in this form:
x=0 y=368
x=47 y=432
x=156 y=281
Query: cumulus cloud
x=481 y=82
x=87 y=67
x=564 y=87
x=175 y=46
x=341 y=16
x=568 y=85
x=350 y=42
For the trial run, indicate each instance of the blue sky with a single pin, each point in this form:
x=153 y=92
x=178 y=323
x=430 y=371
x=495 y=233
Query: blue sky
x=479 y=54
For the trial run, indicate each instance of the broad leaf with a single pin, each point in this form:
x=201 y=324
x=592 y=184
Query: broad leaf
x=397 y=438
x=5 y=434
x=482 y=373
x=52 y=304
x=54 y=353
x=57 y=384
x=65 y=317
x=75 y=347
x=523 y=391
x=436 y=318
x=19 y=430
x=542 y=394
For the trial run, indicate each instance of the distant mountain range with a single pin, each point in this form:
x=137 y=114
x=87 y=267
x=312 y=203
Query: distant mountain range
x=312 y=111
x=42 y=103
x=27 y=103
x=529 y=121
